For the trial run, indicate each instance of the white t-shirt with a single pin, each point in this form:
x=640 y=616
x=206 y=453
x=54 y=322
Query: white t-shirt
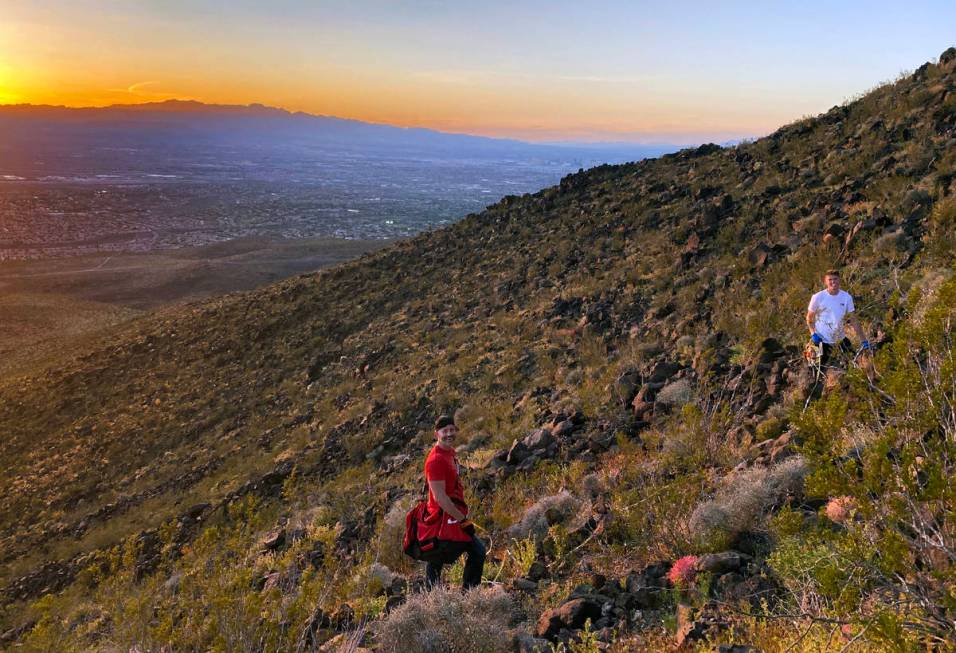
x=829 y=313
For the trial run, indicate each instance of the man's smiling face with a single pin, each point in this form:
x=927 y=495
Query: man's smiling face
x=446 y=436
x=832 y=282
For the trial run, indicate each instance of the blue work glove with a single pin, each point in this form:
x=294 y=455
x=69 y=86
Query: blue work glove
x=866 y=344
x=816 y=339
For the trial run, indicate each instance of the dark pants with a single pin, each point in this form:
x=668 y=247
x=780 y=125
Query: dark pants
x=845 y=346
x=474 y=565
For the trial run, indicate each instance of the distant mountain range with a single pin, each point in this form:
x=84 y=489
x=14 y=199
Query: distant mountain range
x=44 y=125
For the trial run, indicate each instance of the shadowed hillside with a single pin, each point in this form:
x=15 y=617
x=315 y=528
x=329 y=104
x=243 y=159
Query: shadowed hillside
x=624 y=353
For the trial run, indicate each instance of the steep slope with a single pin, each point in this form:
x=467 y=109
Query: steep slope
x=650 y=315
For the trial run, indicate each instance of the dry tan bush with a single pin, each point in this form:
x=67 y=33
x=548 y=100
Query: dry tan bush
x=449 y=621
x=388 y=543
x=891 y=244
x=741 y=504
x=923 y=294
x=381 y=573
x=676 y=394
x=535 y=521
x=592 y=485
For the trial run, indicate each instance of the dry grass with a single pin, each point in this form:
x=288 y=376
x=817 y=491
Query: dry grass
x=555 y=508
x=388 y=542
x=449 y=621
x=676 y=394
x=741 y=504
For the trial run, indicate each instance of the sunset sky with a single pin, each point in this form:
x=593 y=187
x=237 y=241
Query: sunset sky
x=575 y=71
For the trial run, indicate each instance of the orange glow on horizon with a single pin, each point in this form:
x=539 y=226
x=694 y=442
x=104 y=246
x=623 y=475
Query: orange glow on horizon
x=513 y=117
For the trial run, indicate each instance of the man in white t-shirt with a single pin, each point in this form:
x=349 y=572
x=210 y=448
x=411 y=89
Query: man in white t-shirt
x=828 y=313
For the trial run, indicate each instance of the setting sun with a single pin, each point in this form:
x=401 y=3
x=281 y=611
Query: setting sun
x=7 y=94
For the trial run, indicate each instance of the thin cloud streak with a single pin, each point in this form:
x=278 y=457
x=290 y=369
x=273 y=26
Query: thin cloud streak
x=473 y=76
x=137 y=90
x=138 y=85
x=597 y=79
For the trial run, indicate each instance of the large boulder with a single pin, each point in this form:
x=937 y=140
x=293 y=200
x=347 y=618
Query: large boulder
x=562 y=428
x=538 y=440
x=517 y=453
x=662 y=372
x=273 y=540
x=569 y=616
x=626 y=385
x=770 y=350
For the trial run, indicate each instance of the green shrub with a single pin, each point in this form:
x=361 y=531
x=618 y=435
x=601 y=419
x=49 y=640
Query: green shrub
x=889 y=566
x=585 y=642
x=770 y=428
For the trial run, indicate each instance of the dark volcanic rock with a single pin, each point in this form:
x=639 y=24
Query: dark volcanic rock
x=721 y=563
x=662 y=372
x=196 y=512
x=517 y=453
x=625 y=387
x=647 y=588
x=538 y=439
x=569 y=616
x=693 y=627
x=273 y=540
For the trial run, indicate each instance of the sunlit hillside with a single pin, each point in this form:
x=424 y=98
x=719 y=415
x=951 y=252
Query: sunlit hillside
x=624 y=355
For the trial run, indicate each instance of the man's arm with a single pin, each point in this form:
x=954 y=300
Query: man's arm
x=857 y=327
x=811 y=321
x=438 y=491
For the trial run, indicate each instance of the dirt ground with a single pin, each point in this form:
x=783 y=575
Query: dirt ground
x=49 y=304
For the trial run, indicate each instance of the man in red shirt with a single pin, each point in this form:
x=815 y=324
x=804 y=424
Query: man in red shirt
x=446 y=493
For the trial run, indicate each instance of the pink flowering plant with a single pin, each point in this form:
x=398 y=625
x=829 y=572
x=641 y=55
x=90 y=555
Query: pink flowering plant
x=683 y=572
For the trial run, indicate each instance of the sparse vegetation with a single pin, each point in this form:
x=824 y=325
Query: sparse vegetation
x=625 y=349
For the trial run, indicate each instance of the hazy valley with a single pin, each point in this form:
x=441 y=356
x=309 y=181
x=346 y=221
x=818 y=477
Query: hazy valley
x=180 y=174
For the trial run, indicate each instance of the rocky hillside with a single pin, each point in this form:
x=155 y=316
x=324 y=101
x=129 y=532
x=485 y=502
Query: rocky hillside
x=624 y=356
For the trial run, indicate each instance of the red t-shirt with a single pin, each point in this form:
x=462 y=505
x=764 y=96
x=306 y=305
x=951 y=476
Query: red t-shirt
x=441 y=465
